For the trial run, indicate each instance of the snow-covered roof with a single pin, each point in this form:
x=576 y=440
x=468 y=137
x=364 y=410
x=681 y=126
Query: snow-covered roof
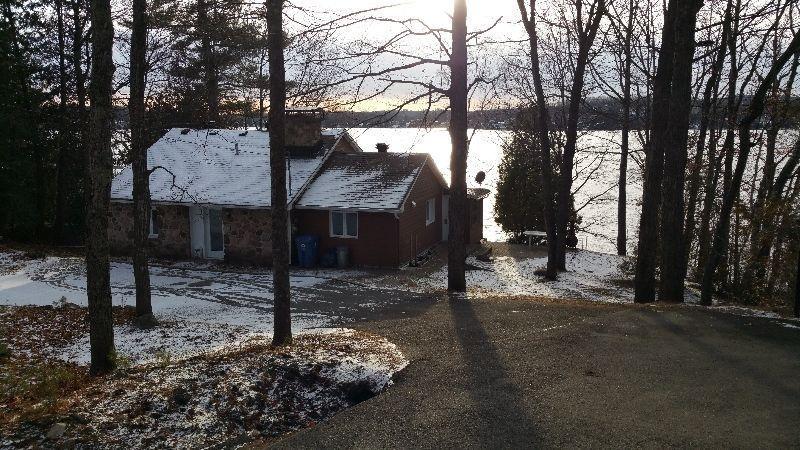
x=364 y=181
x=202 y=166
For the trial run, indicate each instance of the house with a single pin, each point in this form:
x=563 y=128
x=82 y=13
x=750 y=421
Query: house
x=210 y=191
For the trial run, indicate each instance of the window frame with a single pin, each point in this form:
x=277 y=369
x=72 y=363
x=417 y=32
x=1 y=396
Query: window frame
x=430 y=208
x=344 y=224
x=150 y=233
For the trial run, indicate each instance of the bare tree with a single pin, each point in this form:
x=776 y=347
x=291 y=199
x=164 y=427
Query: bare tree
x=98 y=283
x=625 y=34
x=543 y=131
x=754 y=110
x=141 y=175
x=456 y=245
x=585 y=33
x=282 y=333
x=671 y=287
x=63 y=148
x=710 y=95
x=647 y=250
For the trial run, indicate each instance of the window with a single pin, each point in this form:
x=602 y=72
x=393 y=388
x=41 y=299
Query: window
x=344 y=224
x=155 y=223
x=430 y=211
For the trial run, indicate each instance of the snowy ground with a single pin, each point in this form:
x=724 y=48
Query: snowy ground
x=205 y=308
x=590 y=276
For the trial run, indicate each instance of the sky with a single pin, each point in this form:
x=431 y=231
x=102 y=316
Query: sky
x=435 y=13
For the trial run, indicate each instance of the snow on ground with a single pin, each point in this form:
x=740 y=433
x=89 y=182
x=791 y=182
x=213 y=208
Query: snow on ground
x=204 y=308
x=225 y=398
x=590 y=276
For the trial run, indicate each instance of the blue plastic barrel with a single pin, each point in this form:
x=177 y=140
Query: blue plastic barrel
x=307 y=249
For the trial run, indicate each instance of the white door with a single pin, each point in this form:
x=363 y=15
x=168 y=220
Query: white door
x=215 y=239
x=207 y=232
x=197 y=230
x=445 y=217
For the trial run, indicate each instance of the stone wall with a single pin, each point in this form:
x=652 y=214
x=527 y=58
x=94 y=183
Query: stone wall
x=173 y=239
x=248 y=236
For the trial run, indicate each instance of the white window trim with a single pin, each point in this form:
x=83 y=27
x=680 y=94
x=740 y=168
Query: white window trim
x=150 y=233
x=344 y=224
x=430 y=209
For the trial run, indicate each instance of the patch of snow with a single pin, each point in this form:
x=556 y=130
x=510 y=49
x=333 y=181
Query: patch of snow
x=201 y=308
x=590 y=276
x=238 y=393
x=789 y=325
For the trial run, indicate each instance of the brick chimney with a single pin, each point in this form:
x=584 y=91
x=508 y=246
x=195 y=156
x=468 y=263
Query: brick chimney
x=304 y=127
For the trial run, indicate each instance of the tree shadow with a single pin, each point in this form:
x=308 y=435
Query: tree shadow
x=741 y=365
x=503 y=419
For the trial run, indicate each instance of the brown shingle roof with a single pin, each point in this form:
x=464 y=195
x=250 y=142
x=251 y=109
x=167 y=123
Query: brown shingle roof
x=364 y=181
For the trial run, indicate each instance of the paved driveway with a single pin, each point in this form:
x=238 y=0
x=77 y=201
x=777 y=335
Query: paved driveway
x=519 y=373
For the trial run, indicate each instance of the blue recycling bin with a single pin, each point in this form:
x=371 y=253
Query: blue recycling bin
x=307 y=249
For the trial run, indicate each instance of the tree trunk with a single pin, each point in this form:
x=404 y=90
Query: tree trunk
x=622 y=198
x=98 y=288
x=709 y=98
x=585 y=41
x=543 y=132
x=710 y=190
x=282 y=334
x=797 y=286
x=754 y=111
x=261 y=93
x=141 y=175
x=209 y=63
x=644 y=284
x=755 y=274
x=671 y=287
x=63 y=148
x=77 y=62
x=456 y=245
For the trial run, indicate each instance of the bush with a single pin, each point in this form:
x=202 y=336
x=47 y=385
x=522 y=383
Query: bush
x=519 y=204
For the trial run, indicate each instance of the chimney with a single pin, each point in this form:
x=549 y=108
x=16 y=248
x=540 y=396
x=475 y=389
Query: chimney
x=382 y=147
x=304 y=127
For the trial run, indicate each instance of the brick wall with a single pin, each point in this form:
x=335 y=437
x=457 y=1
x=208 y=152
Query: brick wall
x=415 y=235
x=376 y=245
x=248 y=236
x=173 y=239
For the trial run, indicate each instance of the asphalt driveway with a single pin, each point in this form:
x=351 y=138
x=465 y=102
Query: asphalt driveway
x=537 y=373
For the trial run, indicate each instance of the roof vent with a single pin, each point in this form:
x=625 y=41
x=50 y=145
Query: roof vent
x=382 y=147
x=244 y=133
x=185 y=131
x=236 y=148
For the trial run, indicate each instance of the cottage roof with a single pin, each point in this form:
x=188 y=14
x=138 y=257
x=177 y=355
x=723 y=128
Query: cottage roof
x=219 y=167
x=365 y=181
